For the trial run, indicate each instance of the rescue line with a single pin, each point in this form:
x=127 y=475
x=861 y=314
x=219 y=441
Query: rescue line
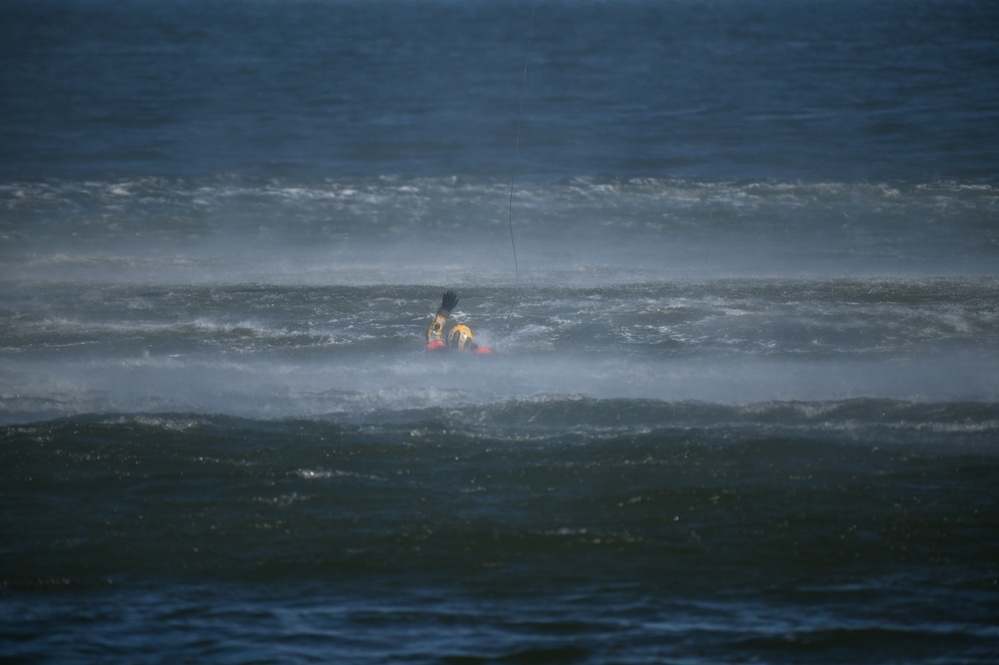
x=513 y=174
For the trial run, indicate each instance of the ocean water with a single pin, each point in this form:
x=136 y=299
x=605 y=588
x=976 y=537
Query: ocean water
x=738 y=261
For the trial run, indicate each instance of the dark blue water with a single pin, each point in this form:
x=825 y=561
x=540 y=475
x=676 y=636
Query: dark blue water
x=843 y=91
x=744 y=404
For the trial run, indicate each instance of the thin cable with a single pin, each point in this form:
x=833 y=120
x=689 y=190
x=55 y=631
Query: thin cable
x=513 y=175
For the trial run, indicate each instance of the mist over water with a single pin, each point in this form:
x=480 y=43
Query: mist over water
x=742 y=404
x=320 y=351
x=581 y=231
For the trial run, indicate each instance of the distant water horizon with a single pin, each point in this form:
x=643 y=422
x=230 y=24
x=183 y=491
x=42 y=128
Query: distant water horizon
x=766 y=90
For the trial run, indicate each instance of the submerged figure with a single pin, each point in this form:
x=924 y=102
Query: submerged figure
x=460 y=336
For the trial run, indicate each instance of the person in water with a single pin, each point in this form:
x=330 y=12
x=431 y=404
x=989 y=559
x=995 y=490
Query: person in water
x=460 y=336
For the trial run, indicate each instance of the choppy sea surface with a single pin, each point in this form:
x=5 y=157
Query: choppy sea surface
x=738 y=261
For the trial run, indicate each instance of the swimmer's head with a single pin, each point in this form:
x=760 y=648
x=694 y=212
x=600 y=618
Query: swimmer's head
x=460 y=338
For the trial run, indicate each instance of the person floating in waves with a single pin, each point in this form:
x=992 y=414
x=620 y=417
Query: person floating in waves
x=460 y=336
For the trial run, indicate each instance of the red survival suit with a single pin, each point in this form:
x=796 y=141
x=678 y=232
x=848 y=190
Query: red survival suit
x=460 y=336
